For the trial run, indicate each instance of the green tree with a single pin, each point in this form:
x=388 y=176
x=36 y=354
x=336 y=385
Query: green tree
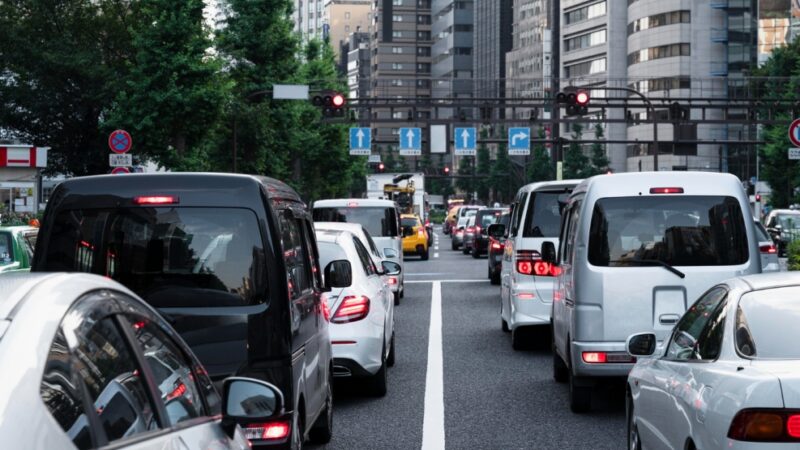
x=483 y=165
x=576 y=164
x=540 y=167
x=174 y=91
x=500 y=176
x=63 y=64
x=389 y=159
x=599 y=160
x=466 y=170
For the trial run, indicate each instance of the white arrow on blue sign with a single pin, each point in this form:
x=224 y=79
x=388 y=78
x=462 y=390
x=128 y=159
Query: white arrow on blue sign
x=410 y=141
x=519 y=141
x=360 y=141
x=465 y=141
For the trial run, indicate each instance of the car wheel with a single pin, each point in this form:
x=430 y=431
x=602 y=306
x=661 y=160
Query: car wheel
x=390 y=358
x=580 y=397
x=519 y=338
x=402 y=291
x=504 y=325
x=634 y=440
x=425 y=255
x=379 y=381
x=322 y=431
x=396 y=298
x=475 y=253
x=297 y=431
x=465 y=250
x=495 y=278
x=560 y=369
x=453 y=245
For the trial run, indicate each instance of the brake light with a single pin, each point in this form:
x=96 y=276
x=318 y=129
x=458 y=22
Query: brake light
x=156 y=200
x=497 y=246
x=427 y=223
x=421 y=233
x=470 y=229
x=765 y=425
x=666 y=190
x=267 y=431
x=769 y=249
x=326 y=310
x=530 y=263
x=179 y=390
x=594 y=357
x=352 y=309
x=392 y=280
x=352 y=204
x=477 y=229
x=525 y=267
x=793 y=426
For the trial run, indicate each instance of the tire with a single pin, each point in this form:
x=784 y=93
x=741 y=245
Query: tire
x=390 y=358
x=426 y=254
x=298 y=425
x=465 y=250
x=396 y=298
x=519 y=340
x=453 y=245
x=379 y=381
x=322 y=431
x=494 y=278
x=504 y=325
x=475 y=253
x=634 y=440
x=560 y=369
x=402 y=292
x=580 y=397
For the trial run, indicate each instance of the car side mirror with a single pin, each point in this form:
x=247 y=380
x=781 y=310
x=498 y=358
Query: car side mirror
x=390 y=268
x=497 y=230
x=338 y=274
x=641 y=344
x=390 y=253
x=549 y=252
x=252 y=404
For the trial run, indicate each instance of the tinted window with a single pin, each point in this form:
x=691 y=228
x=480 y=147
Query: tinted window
x=113 y=381
x=678 y=230
x=328 y=252
x=381 y=222
x=30 y=244
x=371 y=243
x=766 y=324
x=408 y=222
x=172 y=257
x=363 y=255
x=295 y=254
x=489 y=217
x=788 y=221
x=543 y=218
x=687 y=337
x=6 y=249
x=761 y=233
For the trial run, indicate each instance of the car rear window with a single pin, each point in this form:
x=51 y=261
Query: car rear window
x=543 y=218
x=380 y=221
x=766 y=324
x=328 y=251
x=408 y=222
x=489 y=217
x=679 y=230
x=761 y=233
x=171 y=256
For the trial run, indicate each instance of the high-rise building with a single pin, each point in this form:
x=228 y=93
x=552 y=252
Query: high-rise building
x=778 y=22
x=308 y=18
x=342 y=17
x=400 y=43
x=491 y=39
x=525 y=62
x=451 y=66
x=358 y=65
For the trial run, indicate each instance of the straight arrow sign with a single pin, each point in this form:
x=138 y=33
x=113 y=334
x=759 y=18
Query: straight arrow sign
x=410 y=137
x=360 y=136
x=464 y=139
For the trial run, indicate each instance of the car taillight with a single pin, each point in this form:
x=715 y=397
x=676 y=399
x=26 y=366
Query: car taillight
x=594 y=357
x=326 y=310
x=607 y=357
x=497 y=246
x=477 y=229
x=179 y=390
x=766 y=425
x=530 y=263
x=352 y=309
x=421 y=233
x=768 y=249
x=392 y=280
x=156 y=200
x=267 y=431
x=666 y=190
x=470 y=229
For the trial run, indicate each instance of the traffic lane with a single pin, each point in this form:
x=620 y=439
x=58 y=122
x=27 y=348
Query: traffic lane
x=496 y=397
x=393 y=421
x=448 y=265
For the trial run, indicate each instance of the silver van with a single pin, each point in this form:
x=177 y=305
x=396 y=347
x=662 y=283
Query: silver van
x=635 y=250
x=380 y=217
x=527 y=282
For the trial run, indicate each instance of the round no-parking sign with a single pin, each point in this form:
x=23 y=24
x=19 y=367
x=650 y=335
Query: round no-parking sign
x=794 y=132
x=119 y=141
x=120 y=170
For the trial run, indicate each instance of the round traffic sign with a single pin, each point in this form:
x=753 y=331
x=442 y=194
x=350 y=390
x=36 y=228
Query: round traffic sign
x=794 y=132
x=119 y=141
x=119 y=170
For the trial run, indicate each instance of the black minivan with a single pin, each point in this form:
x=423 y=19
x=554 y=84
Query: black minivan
x=230 y=260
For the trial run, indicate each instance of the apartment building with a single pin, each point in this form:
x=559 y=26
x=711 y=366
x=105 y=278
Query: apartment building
x=343 y=17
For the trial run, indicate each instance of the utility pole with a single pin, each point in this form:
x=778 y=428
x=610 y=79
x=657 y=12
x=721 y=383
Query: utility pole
x=555 y=75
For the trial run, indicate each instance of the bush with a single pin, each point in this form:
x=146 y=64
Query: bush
x=793 y=253
x=437 y=215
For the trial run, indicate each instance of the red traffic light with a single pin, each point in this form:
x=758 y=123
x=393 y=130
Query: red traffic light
x=381 y=167
x=338 y=100
x=446 y=170
x=582 y=98
x=758 y=197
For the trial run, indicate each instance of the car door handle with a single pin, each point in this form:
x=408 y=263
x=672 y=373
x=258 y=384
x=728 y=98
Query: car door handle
x=668 y=319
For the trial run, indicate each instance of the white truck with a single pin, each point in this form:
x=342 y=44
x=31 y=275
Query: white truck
x=376 y=185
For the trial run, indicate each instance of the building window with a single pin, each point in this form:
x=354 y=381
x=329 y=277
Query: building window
x=659 y=20
x=585 y=13
x=585 y=40
x=586 y=68
x=397 y=82
x=397 y=50
x=661 y=84
x=397 y=66
x=397 y=18
x=397 y=2
x=663 y=51
x=347 y=15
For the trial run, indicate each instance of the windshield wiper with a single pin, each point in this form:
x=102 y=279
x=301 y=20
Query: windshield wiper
x=650 y=262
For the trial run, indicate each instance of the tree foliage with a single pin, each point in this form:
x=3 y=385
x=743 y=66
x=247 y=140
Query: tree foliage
x=540 y=167
x=483 y=165
x=576 y=164
x=599 y=159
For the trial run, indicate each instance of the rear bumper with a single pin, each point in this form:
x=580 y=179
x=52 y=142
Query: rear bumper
x=412 y=245
x=363 y=358
x=527 y=305
x=583 y=369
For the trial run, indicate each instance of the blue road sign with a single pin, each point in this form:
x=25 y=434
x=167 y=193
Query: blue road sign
x=360 y=140
x=410 y=141
x=519 y=141
x=465 y=140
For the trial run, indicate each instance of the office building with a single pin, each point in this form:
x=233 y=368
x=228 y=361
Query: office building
x=492 y=39
x=308 y=18
x=451 y=66
x=358 y=65
x=342 y=17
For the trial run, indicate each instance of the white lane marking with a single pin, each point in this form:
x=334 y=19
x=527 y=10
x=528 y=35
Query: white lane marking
x=436 y=255
x=433 y=422
x=442 y=281
x=425 y=274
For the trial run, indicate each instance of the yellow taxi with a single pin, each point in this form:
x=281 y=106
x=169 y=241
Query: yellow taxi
x=415 y=238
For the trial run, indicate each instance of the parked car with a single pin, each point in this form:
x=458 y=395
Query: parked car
x=93 y=355
x=415 y=237
x=380 y=217
x=635 y=249
x=784 y=227
x=230 y=260
x=361 y=309
x=727 y=375
x=483 y=220
x=366 y=239
x=497 y=244
x=768 y=250
x=526 y=281
x=457 y=234
x=16 y=247
x=469 y=235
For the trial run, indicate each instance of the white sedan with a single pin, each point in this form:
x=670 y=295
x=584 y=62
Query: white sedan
x=361 y=309
x=728 y=376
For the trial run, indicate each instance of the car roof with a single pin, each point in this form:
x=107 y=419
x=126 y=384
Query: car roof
x=784 y=211
x=763 y=281
x=353 y=202
x=640 y=183
x=17 y=228
x=333 y=236
x=539 y=185
x=354 y=228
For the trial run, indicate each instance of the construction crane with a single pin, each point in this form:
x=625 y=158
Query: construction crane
x=402 y=195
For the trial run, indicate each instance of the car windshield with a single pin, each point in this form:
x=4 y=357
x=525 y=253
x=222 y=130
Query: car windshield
x=675 y=230
x=544 y=214
x=489 y=217
x=379 y=221
x=789 y=221
x=172 y=257
x=766 y=324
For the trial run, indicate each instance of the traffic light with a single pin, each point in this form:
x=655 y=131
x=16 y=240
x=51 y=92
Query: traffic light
x=332 y=103
x=577 y=101
x=446 y=170
x=381 y=167
x=678 y=112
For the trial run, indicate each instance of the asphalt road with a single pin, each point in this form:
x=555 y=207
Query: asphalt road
x=492 y=396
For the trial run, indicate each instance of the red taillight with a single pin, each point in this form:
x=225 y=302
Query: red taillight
x=793 y=426
x=427 y=223
x=497 y=246
x=421 y=233
x=179 y=390
x=595 y=357
x=352 y=309
x=765 y=425
x=156 y=200
x=326 y=310
x=352 y=204
x=530 y=263
x=267 y=431
x=666 y=190
x=392 y=280
x=525 y=267
x=769 y=249
x=470 y=229
x=477 y=229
